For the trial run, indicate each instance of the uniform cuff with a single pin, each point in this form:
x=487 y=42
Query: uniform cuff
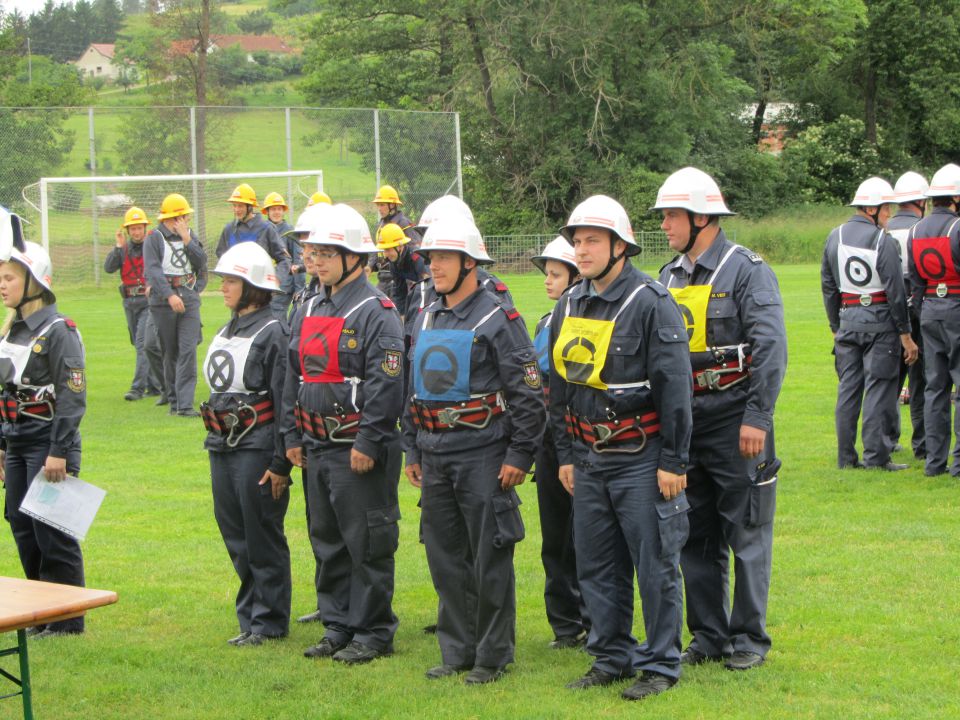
x=366 y=446
x=518 y=459
x=281 y=466
x=673 y=464
x=411 y=457
x=759 y=420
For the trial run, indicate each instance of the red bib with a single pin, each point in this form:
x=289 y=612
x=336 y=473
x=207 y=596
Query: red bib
x=934 y=261
x=319 y=356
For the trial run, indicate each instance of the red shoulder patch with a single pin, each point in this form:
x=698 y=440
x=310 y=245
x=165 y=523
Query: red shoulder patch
x=387 y=302
x=500 y=286
x=512 y=313
x=70 y=323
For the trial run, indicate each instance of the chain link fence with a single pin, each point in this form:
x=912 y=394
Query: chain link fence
x=357 y=149
x=512 y=253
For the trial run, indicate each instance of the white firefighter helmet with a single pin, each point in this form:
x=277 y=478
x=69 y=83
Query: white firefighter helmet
x=343 y=227
x=456 y=235
x=945 y=182
x=693 y=190
x=444 y=207
x=909 y=187
x=602 y=212
x=557 y=249
x=873 y=192
x=37 y=262
x=250 y=262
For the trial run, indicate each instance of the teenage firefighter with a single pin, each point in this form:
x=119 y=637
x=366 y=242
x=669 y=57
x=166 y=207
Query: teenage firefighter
x=862 y=283
x=731 y=302
x=127 y=257
x=405 y=265
x=472 y=426
x=275 y=207
x=176 y=268
x=44 y=399
x=565 y=609
x=620 y=386
x=347 y=342
x=245 y=368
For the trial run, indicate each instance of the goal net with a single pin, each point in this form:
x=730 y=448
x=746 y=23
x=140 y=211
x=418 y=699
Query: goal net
x=78 y=217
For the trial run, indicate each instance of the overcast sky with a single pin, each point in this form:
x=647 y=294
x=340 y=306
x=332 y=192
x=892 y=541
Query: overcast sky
x=27 y=7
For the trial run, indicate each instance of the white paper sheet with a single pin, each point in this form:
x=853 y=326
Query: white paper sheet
x=70 y=506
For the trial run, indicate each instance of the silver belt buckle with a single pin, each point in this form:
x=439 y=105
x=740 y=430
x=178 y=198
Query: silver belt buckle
x=941 y=290
x=448 y=416
x=866 y=300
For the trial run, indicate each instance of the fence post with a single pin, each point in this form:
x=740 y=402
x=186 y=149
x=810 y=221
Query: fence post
x=44 y=215
x=197 y=205
x=376 y=143
x=93 y=197
x=456 y=129
x=289 y=198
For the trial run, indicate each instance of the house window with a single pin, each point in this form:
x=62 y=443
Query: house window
x=99 y=69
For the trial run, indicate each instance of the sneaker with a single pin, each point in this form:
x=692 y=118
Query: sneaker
x=650 y=683
x=311 y=617
x=481 y=675
x=162 y=400
x=743 y=660
x=597 y=678
x=356 y=653
x=133 y=395
x=692 y=656
x=442 y=671
x=239 y=638
x=188 y=412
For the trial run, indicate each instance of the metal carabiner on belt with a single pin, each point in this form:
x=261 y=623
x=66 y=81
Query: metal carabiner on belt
x=451 y=416
x=333 y=426
x=605 y=435
x=232 y=420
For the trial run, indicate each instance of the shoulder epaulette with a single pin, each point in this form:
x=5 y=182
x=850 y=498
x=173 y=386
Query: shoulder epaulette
x=751 y=255
x=70 y=324
x=657 y=287
x=387 y=302
x=511 y=312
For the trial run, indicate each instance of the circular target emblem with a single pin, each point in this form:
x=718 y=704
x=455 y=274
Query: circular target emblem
x=932 y=263
x=687 y=320
x=220 y=370
x=315 y=362
x=858 y=271
x=438 y=369
x=578 y=358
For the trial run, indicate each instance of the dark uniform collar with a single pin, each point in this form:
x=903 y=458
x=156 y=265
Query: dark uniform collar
x=708 y=260
x=626 y=279
x=943 y=211
x=252 y=221
x=37 y=319
x=861 y=219
x=461 y=310
x=245 y=322
x=906 y=214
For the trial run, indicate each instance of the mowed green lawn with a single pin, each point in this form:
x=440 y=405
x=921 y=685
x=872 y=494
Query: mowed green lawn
x=863 y=608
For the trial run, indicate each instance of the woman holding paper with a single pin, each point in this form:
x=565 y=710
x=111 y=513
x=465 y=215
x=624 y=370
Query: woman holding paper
x=245 y=368
x=43 y=400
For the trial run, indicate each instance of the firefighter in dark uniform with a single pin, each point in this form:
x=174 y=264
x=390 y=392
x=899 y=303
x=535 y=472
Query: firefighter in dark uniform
x=910 y=193
x=933 y=252
x=406 y=266
x=43 y=402
x=249 y=226
x=620 y=388
x=245 y=368
x=347 y=342
x=176 y=268
x=738 y=353
x=565 y=609
x=472 y=426
x=862 y=282
x=274 y=208
x=127 y=257
x=388 y=205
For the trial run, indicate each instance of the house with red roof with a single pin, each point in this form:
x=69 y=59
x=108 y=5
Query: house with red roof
x=97 y=61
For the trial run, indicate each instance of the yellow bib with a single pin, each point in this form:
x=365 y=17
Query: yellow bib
x=693 y=301
x=581 y=350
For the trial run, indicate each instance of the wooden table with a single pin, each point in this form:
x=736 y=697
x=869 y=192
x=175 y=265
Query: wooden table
x=25 y=603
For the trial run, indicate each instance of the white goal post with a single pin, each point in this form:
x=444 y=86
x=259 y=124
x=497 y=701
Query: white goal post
x=79 y=216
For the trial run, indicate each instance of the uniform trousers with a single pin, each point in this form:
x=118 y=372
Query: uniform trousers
x=941 y=351
x=732 y=503
x=565 y=610
x=46 y=553
x=179 y=335
x=154 y=353
x=868 y=370
x=138 y=314
x=622 y=525
x=354 y=530
x=470 y=527
x=251 y=524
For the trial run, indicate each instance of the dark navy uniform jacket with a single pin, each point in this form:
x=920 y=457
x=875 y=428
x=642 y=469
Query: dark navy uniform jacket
x=501 y=359
x=405 y=223
x=891 y=316
x=370 y=349
x=263 y=374
x=153 y=247
x=406 y=272
x=424 y=294
x=744 y=307
x=649 y=343
x=56 y=359
x=290 y=283
x=936 y=224
x=256 y=229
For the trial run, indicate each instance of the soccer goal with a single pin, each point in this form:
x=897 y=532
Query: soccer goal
x=79 y=216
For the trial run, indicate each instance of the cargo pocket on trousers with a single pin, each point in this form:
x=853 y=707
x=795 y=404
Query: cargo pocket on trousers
x=506 y=512
x=673 y=524
x=383 y=532
x=763 y=502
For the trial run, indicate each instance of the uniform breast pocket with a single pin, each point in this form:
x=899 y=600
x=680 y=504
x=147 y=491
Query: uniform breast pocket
x=723 y=321
x=624 y=363
x=350 y=350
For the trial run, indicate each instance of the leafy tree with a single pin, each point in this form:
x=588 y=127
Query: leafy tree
x=257 y=22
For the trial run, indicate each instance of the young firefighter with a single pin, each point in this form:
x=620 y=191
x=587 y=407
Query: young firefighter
x=472 y=426
x=42 y=369
x=275 y=207
x=127 y=257
x=405 y=265
x=620 y=384
x=565 y=610
x=345 y=392
x=245 y=368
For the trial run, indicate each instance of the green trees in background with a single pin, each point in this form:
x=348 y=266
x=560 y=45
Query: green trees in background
x=560 y=98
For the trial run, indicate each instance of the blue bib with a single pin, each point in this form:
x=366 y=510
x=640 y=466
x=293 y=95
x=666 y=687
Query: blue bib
x=441 y=365
x=242 y=236
x=541 y=343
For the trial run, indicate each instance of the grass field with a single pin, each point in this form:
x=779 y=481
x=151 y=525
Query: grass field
x=863 y=607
